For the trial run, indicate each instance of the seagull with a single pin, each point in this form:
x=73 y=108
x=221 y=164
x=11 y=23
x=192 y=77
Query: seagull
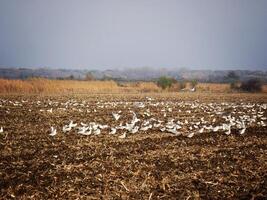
x=116 y=116
x=135 y=130
x=228 y=131
x=193 y=90
x=174 y=131
x=123 y=135
x=201 y=130
x=242 y=131
x=72 y=125
x=53 y=131
x=215 y=129
x=97 y=131
x=113 y=131
x=145 y=128
x=83 y=124
x=66 y=128
x=157 y=125
x=162 y=129
x=191 y=135
x=50 y=110
x=82 y=130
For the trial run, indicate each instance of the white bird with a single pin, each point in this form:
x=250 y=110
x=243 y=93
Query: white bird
x=72 y=125
x=103 y=126
x=145 y=128
x=135 y=130
x=97 y=131
x=1 y=130
x=215 y=129
x=116 y=116
x=66 y=128
x=53 y=131
x=191 y=135
x=83 y=124
x=174 y=131
x=157 y=125
x=162 y=129
x=86 y=132
x=123 y=135
x=242 y=131
x=50 y=110
x=113 y=131
x=83 y=129
x=193 y=89
x=201 y=130
x=228 y=131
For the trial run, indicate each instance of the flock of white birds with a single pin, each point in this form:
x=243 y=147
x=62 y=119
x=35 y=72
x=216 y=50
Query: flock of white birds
x=179 y=118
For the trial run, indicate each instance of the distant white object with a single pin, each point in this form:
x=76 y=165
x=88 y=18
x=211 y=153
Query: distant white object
x=174 y=131
x=242 y=131
x=97 y=131
x=191 y=135
x=135 y=130
x=145 y=128
x=123 y=135
x=1 y=130
x=216 y=128
x=201 y=130
x=113 y=131
x=72 y=125
x=83 y=130
x=116 y=116
x=193 y=90
x=50 y=110
x=162 y=129
x=86 y=132
x=149 y=98
x=66 y=128
x=53 y=131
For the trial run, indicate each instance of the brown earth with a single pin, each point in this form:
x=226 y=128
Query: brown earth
x=150 y=165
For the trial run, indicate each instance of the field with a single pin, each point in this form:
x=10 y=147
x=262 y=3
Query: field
x=133 y=146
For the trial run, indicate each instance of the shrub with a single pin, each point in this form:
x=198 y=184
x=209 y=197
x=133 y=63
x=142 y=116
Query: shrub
x=252 y=85
x=182 y=84
x=235 y=85
x=193 y=83
x=165 y=82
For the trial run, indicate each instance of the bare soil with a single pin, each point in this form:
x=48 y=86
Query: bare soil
x=149 y=165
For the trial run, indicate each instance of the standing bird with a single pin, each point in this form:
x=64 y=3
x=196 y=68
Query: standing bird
x=123 y=135
x=53 y=131
x=113 y=131
x=116 y=116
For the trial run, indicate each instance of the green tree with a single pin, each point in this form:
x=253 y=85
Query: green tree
x=251 y=85
x=193 y=83
x=165 y=82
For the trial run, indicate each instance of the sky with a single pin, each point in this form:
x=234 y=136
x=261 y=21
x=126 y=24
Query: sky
x=112 y=34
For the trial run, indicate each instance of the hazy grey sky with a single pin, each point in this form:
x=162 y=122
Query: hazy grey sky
x=96 y=34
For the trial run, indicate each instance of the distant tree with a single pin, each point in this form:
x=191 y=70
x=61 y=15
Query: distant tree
x=165 y=82
x=71 y=77
x=193 y=83
x=252 y=85
x=231 y=77
x=182 y=84
x=89 y=77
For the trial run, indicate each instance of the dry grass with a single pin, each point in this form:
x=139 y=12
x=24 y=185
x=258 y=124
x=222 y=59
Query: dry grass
x=38 y=85
x=55 y=86
x=213 y=87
